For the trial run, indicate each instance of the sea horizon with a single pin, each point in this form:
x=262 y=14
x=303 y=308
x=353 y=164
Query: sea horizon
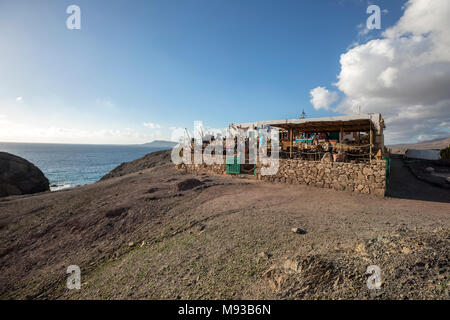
x=71 y=165
x=82 y=144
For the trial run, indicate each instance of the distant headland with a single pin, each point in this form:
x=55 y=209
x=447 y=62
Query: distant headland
x=160 y=144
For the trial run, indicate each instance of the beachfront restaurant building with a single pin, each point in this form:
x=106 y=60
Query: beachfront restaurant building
x=340 y=153
x=359 y=137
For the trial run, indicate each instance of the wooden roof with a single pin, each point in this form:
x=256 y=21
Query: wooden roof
x=353 y=123
x=328 y=126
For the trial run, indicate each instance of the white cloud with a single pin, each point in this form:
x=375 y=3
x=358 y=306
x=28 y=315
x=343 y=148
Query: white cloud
x=26 y=132
x=152 y=125
x=405 y=74
x=321 y=98
x=38 y=121
x=18 y=99
x=388 y=77
x=362 y=30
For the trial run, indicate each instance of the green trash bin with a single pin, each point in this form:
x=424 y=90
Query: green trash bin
x=235 y=166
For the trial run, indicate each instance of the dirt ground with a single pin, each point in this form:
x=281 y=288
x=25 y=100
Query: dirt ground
x=162 y=234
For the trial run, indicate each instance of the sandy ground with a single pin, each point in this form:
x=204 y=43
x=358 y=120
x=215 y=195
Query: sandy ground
x=155 y=234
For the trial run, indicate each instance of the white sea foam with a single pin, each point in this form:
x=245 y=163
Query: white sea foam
x=57 y=187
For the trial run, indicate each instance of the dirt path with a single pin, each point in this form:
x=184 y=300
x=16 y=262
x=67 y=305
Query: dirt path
x=403 y=184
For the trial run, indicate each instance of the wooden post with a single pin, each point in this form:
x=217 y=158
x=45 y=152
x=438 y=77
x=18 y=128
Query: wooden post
x=290 y=142
x=341 y=136
x=370 y=143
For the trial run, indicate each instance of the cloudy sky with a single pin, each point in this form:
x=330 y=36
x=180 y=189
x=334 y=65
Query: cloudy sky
x=141 y=70
x=404 y=74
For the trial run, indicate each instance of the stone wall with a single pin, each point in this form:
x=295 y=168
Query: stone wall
x=203 y=168
x=368 y=178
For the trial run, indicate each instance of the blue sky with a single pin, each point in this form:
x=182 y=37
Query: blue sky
x=169 y=63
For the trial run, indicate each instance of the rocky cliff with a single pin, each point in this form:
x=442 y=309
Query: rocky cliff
x=19 y=176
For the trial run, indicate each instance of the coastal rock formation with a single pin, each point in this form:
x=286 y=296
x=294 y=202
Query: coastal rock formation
x=19 y=176
x=151 y=160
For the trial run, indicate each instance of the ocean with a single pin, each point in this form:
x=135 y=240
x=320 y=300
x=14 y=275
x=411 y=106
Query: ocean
x=69 y=165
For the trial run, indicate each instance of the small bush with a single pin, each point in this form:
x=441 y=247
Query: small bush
x=445 y=153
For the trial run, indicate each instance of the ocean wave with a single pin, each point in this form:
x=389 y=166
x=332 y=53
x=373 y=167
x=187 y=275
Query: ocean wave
x=57 y=187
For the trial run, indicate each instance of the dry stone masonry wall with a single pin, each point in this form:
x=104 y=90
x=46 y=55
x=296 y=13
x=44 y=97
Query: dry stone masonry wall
x=368 y=178
x=203 y=168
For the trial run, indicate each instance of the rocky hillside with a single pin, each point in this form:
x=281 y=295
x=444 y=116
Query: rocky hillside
x=151 y=232
x=158 y=158
x=424 y=145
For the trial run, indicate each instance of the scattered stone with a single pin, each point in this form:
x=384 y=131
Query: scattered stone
x=429 y=169
x=131 y=244
x=298 y=230
x=406 y=250
x=361 y=249
x=264 y=255
x=142 y=244
x=292 y=265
